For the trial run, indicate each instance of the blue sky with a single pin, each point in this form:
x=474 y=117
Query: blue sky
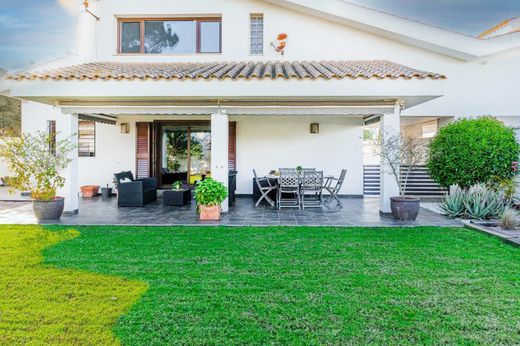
x=38 y=30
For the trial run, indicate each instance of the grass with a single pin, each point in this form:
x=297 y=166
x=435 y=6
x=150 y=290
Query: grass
x=290 y=285
x=42 y=306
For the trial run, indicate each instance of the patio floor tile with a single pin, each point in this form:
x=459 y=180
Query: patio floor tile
x=355 y=212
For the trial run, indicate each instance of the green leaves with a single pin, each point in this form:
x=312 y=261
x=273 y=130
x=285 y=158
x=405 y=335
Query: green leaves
x=210 y=192
x=36 y=162
x=471 y=151
x=478 y=202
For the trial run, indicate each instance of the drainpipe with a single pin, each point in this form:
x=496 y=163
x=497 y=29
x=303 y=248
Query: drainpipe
x=86 y=30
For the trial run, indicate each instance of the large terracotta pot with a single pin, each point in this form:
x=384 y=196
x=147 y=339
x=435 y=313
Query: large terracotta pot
x=49 y=210
x=405 y=208
x=89 y=191
x=209 y=213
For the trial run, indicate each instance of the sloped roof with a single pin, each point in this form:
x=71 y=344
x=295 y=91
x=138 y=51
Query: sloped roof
x=366 y=69
x=404 y=30
x=504 y=28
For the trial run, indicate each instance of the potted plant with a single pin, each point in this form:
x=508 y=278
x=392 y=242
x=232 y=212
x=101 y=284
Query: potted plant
x=400 y=154
x=37 y=161
x=210 y=194
x=177 y=185
x=89 y=191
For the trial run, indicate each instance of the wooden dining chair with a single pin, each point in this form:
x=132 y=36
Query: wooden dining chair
x=334 y=190
x=265 y=187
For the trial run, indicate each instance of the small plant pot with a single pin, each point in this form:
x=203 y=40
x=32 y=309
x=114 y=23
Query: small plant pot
x=49 y=210
x=405 y=208
x=106 y=192
x=89 y=191
x=209 y=213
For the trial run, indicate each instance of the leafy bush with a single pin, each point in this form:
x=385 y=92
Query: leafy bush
x=471 y=151
x=453 y=204
x=37 y=162
x=478 y=202
x=509 y=218
x=505 y=185
x=210 y=192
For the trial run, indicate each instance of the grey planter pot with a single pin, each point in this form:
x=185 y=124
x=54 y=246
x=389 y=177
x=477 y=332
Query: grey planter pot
x=405 y=208
x=49 y=210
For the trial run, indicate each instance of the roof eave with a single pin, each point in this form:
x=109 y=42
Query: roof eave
x=401 y=29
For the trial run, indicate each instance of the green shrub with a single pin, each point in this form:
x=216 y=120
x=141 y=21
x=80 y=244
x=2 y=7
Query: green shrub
x=210 y=192
x=471 y=151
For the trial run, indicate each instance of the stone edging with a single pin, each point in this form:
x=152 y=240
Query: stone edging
x=509 y=239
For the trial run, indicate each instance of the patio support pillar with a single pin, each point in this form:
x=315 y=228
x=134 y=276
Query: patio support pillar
x=389 y=125
x=67 y=128
x=219 y=150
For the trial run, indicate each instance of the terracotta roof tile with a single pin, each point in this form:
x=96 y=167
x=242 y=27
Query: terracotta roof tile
x=366 y=69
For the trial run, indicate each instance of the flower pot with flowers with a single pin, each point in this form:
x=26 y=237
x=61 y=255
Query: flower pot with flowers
x=37 y=162
x=210 y=194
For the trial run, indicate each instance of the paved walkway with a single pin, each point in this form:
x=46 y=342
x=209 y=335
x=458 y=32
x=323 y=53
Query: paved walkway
x=355 y=212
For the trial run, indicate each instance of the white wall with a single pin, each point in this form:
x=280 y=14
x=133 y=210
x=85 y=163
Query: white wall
x=267 y=143
x=483 y=86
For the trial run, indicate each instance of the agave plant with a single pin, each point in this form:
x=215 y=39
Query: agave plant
x=453 y=204
x=482 y=203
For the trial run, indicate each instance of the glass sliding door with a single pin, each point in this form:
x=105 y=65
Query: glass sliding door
x=183 y=152
x=174 y=154
x=200 y=152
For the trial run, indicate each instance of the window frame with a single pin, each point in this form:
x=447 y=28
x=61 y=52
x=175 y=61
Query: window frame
x=90 y=153
x=142 y=21
x=51 y=132
x=251 y=15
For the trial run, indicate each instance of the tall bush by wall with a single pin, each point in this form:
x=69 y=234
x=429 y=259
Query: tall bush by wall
x=471 y=151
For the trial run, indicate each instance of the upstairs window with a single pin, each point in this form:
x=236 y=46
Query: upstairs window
x=170 y=36
x=256 y=34
x=87 y=138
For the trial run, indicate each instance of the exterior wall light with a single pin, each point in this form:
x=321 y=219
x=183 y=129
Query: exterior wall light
x=315 y=128
x=125 y=128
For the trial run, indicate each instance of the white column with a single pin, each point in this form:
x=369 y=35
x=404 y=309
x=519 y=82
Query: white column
x=390 y=124
x=219 y=150
x=67 y=128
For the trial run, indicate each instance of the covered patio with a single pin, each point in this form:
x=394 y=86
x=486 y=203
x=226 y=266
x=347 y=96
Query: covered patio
x=355 y=212
x=272 y=105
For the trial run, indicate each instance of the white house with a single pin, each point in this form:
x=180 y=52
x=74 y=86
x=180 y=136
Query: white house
x=213 y=71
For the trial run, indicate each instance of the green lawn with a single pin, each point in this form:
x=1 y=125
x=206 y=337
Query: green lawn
x=216 y=286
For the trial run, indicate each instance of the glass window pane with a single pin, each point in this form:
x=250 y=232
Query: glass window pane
x=210 y=37
x=130 y=37
x=163 y=37
x=256 y=34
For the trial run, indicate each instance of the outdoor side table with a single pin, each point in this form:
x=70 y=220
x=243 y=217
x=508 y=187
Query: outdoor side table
x=176 y=198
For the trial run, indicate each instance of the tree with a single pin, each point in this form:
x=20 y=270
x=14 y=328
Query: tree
x=10 y=116
x=37 y=162
x=400 y=154
x=471 y=151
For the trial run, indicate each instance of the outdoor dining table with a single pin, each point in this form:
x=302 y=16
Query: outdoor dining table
x=326 y=178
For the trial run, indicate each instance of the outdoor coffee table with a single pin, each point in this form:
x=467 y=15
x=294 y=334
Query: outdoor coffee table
x=176 y=198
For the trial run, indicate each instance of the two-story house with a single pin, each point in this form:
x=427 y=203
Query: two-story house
x=176 y=89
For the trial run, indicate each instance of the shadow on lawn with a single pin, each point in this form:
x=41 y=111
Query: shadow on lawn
x=43 y=305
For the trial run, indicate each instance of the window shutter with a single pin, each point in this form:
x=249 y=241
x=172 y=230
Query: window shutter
x=232 y=146
x=142 y=150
